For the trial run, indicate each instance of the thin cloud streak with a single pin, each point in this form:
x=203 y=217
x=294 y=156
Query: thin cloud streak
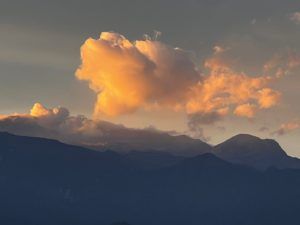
x=287 y=127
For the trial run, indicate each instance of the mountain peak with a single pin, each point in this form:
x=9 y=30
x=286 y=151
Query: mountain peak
x=247 y=140
x=253 y=151
x=244 y=138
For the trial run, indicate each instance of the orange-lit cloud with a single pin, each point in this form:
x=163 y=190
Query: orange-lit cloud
x=287 y=127
x=131 y=75
x=144 y=74
x=48 y=117
x=245 y=110
x=224 y=89
x=282 y=64
x=54 y=123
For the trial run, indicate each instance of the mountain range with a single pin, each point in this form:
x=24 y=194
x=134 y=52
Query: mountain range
x=44 y=181
x=243 y=148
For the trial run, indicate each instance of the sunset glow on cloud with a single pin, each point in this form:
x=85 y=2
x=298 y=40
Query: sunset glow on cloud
x=282 y=64
x=128 y=76
x=132 y=75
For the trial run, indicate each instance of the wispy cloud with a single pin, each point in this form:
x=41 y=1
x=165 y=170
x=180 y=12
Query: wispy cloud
x=282 y=64
x=295 y=17
x=287 y=128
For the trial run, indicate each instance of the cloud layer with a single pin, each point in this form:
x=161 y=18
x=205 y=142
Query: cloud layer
x=57 y=123
x=54 y=123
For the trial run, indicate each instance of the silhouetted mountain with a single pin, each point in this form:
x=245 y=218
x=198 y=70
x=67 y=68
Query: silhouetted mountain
x=103 y=136
x=120 y=223
x=260 y=153
x=148 y=140
x=106 y=135
x=46 y=182
x=151 y=159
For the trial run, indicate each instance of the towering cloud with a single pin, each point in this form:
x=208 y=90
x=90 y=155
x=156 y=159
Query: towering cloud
x=128 y=76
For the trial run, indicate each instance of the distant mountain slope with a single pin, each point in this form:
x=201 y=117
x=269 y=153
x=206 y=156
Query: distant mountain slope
x=147 y=140
x=47 y=182
x=151 y=159
x=260 y=153
x=106 y=135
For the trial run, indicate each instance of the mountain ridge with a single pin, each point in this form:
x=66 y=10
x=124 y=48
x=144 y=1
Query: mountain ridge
x=242 y=149
x=253 y=151
x=85 y=187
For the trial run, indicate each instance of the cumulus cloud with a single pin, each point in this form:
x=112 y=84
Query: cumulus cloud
x=148 y=74
x=51 y=123
x=287 y=128
x=49 y=117
x=295 y=17
x=128 y=76
x=223 y=89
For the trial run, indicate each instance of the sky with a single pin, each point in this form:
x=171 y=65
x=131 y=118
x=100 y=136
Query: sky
x=210 y=69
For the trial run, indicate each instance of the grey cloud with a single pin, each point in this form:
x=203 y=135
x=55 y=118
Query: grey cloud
x=295 y=17
x=196 y=121
x=287 y=127
x=263 y=129
x=57 y=123
x=203 y=118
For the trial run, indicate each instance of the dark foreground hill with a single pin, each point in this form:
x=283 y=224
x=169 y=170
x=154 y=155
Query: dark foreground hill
x=46 y=182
